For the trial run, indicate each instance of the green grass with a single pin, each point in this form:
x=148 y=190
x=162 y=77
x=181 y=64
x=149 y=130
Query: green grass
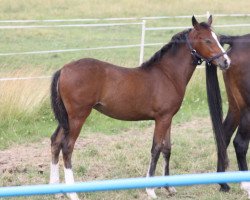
x=101 y=157
x=34 y=9
x=19 y=118
x=22 y=122
x=25 y=114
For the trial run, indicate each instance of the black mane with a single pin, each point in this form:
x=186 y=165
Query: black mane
x=172 y=46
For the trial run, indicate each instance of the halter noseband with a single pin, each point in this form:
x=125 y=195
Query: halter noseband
x=199 y=59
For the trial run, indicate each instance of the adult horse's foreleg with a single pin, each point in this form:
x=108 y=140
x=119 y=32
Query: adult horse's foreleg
x=230 y=124
x=241 y=144
x=161 y=127
x=75 y=125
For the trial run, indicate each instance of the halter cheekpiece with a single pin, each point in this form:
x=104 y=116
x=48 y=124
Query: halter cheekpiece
x=199 y=59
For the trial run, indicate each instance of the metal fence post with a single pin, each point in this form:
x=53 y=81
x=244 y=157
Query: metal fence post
x=208 y=14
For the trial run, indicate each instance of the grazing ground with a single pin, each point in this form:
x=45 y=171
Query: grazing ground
x=25 y=114
x=98 y=157
x=107 y=148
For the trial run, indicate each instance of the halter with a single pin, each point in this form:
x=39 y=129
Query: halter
x=199 y=59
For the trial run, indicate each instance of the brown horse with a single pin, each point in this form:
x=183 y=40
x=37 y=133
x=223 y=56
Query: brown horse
x=153 y=91
x=237 y=83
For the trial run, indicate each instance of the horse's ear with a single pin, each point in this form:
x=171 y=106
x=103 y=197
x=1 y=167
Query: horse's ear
x=210 y=20
x=195 y=23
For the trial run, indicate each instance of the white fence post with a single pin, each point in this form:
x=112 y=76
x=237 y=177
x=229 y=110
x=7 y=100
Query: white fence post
x=208 y=14
x=143 y=31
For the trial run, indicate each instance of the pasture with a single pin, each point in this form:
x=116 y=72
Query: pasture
x=107 y=148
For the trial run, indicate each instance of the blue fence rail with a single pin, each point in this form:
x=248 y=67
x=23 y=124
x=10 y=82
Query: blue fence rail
x=125 y=184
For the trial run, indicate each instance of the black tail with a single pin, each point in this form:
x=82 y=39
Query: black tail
x=215 y=107
x=57 y=105
x=226 y=39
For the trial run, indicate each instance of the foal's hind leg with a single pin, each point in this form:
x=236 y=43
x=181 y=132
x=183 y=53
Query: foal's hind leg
x=56 y=142
x=161 y=127
x=75 y=125
x=241 y=144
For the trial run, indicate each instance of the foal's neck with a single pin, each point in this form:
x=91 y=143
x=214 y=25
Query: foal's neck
x=178 y=67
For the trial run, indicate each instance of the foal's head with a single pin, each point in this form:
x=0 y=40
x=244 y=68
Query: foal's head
x=205 y=44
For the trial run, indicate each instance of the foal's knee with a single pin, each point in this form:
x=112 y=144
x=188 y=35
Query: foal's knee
x=156 y=149
x=166 y=150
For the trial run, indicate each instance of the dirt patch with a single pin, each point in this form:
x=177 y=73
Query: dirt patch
x=16 y=159
x=37 y=155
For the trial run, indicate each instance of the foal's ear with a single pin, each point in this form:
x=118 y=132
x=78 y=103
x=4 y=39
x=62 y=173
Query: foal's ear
x=210 y=20
x=195 y=23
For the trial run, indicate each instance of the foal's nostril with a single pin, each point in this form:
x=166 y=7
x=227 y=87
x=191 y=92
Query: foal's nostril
x=225 y=63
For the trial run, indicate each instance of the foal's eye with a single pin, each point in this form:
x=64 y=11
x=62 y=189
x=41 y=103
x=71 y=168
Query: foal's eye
x=208 y=41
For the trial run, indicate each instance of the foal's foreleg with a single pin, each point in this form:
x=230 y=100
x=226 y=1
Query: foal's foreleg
x=161 y=126
x=155 y=153
x=166 y=151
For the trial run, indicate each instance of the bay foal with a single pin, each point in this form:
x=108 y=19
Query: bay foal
x=152 y=91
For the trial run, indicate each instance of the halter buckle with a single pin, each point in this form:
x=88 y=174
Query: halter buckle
x=193 y=52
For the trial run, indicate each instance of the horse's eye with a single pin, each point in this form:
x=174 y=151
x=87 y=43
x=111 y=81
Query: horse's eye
x=208 y=41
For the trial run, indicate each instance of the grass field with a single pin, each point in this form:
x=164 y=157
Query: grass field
x=99 y=157
x=25 y=114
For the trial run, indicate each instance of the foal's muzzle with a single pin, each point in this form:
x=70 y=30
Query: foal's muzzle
x=221 y=59
x=223 y=62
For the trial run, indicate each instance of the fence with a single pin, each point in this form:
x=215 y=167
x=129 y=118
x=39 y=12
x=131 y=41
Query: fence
x=120 y=184
x=123 y=19
x=142 y=44
x=125 y=184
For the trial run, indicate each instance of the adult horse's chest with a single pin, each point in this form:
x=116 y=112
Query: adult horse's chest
x=233 y=86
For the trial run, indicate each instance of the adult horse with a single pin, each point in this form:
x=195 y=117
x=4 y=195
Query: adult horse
x=153 y=91
x=237 y=83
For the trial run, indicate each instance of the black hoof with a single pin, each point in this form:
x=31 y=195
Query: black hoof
x=224 y=187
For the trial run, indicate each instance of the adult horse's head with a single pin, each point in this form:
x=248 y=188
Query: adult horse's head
x=204 y=45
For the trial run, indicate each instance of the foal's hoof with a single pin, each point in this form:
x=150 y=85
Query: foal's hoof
x=73 y=196
x=59 y=196
x=246 y=187
x=151 y=193
x=171 y=190
x=224 y=188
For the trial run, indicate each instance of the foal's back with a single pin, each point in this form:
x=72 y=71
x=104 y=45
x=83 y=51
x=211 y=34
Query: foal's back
x=122 y=93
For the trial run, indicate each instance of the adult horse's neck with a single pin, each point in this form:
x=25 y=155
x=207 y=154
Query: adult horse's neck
x=175 y=61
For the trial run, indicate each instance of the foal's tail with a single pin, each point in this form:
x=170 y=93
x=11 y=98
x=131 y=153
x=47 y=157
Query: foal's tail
x=57 y=104
x=215 y=107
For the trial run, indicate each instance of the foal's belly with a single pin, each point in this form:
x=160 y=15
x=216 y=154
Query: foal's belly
x=124 y=112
